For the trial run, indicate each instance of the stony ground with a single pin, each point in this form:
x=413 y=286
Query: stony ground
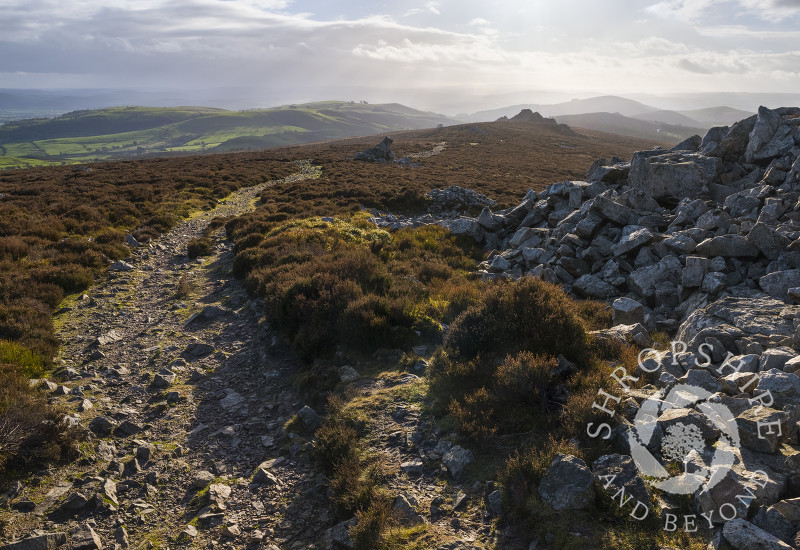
x=192 y=434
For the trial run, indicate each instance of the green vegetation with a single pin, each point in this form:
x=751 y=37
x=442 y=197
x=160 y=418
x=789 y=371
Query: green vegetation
x=344 y=281
x=129 y=132
x=59 y=230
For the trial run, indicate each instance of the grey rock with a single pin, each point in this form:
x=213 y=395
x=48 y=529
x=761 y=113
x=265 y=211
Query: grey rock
x=339 y=535
x=404 y=508
x=495 y=501
x=311 y=420
x=615 y=471
x=694 y=272
x=728 y=246
x=643 y=281
x=714 y=282
x=783 y=387
x=633 y=237
x=771 y=520
x=767 y=240
x=456 y=459
x=763 y=429
x=121 y=266
x=198 y=349
x=743 y=535
x=778 y=283
x=86 y=539
x=776 y=358
x=48 y=541
x=672 y=175
x=593 y=286
x=102 y=426
x=625 y=311
x=567 y=484
x=412 y=467
x=610 y=210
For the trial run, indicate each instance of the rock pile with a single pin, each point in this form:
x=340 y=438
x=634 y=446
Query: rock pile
x=672 y=229
x=701 y=241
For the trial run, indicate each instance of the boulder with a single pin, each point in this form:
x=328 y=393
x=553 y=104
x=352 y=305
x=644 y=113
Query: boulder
x=48 y=541
x=767 y=240
x=616 y=473
x=592 y=286
x=783 y=387
x=625 y=311
x=633 y=237
x=85 y=538
x=567 y=484
x=311 y=420
x=694 y=272
x=734 y=144
x=778 y=283
x=673 y=175
x=727 y=246
x=743 y=535
x=771 y=520
x=643 y=281
x=770 y=138
x=381 y=152
x=763 y=429
x=456 y=459
x=610 y=210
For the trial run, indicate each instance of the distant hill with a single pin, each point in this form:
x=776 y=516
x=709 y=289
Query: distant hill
x=669 y=117
x=126 y=132
x=608 y=103
x=717 y=116
x=616 y=123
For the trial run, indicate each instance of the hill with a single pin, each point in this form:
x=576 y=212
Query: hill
x=126 y=132
x=717 y=116
x=669 y=117
x=616 y=123
x=609 y=104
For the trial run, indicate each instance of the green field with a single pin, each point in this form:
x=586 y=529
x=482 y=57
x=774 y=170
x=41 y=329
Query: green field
x=130 y=132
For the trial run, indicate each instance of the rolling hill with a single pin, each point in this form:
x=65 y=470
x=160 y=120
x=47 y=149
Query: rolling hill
x=126 y=132
x=616 y=123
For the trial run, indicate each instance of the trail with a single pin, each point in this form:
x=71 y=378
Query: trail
x=193 y=394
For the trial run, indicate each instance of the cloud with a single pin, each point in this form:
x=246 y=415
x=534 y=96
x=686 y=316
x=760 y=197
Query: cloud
x=684 y=10
x=695 y=10
x=478 y=22
x=430 y=7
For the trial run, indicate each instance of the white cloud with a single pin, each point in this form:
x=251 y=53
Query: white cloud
x=478 y=22
x=695 y=10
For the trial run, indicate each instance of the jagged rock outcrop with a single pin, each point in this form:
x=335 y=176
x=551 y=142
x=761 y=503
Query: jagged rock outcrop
x=380 y=153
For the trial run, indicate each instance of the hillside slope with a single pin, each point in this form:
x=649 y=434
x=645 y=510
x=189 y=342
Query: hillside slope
x=125 y=132
x=616 y=123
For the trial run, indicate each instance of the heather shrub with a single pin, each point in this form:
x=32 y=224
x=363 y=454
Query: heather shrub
x=525 y=378
x=200 y=246
x=524 y=315
x=32 y=433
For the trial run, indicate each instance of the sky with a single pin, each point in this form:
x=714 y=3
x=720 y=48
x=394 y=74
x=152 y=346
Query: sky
x=429 y=53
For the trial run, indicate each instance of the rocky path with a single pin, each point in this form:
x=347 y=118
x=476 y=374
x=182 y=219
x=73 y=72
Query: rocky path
x=168 y=367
